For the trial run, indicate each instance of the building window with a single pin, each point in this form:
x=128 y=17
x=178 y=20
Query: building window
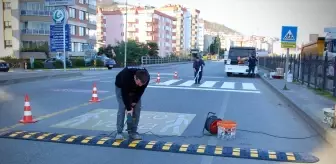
x=81 y=31
x=81 y=1
x=72 y=47
x=87 y=30
x=81 y=15
x=72 y=13
x=122 y=33
x=8 y=43
x=73 y=29
x=6 y=5
x=7 y=24
x=86 y=16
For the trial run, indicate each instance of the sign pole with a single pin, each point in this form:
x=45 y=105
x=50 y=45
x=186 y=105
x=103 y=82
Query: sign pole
x=126 y=40
x=288 y=40
x=286 y=70
x=64 y=50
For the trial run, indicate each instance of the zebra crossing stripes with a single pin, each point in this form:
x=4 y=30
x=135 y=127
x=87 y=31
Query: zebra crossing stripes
x=208 y=84
x=249 y=86
x=169 y=82
x=228 y=85
x=187 y=83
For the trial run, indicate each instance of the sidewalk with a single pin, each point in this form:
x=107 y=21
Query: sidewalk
x=7 y=78
x=305 y=102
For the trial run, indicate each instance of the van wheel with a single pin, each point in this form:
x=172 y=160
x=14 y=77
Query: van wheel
x=228 y=74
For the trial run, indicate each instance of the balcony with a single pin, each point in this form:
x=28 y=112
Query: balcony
x=93 y=37
x=36 y=13
x=132 y=29
x=149 y=20
x=132 y=20
x=93 y=22
x=35 y=32
x=92 y=7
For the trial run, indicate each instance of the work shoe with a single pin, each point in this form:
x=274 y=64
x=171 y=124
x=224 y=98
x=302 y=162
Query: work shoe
x=135 y=136
x=119 y=136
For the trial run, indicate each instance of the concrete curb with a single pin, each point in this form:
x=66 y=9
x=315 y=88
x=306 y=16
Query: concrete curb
x=311 y=120
x=166 y=64
x=36 y=78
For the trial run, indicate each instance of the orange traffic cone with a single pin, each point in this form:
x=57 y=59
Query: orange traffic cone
x=158 y=78
x=27 y=114
x=94 y=94
x=175 y=75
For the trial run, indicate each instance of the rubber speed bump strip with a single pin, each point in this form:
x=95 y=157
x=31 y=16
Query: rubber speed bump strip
x=161 y=146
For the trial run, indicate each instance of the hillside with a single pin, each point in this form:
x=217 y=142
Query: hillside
x=215 y=27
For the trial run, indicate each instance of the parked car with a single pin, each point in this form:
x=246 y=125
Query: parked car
x=4 y=66
x=109 y=63
x=49 y=63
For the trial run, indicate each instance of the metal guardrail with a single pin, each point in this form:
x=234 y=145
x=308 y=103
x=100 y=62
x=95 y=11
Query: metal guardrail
x=146 y=60
x=318 y=72
x=36 y=12
x=35 y=31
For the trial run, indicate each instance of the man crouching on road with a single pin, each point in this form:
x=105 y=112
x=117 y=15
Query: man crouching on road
x=130 y=84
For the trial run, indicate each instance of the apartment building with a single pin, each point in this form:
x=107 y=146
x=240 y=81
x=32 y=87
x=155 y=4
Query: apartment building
x=183 y=26
x=101 y=28
x=30 y=22
x=194 y=28
x=10 y=32
x=143 y=25
x=200 y=35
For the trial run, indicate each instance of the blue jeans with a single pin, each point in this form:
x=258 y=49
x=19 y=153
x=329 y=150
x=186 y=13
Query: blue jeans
x=121 y=114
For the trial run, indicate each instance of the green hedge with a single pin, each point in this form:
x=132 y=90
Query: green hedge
x=99 y=63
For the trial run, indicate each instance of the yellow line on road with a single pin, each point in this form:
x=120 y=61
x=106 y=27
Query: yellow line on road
x=54 y=114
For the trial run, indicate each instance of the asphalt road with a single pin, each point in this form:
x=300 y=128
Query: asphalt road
x=172 y=111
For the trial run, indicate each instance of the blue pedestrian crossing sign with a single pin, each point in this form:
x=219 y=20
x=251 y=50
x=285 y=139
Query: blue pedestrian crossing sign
x=289 y=36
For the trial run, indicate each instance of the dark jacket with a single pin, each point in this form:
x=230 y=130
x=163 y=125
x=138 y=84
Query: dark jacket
x=252 y=61
x=131 y=93
x=198 y=64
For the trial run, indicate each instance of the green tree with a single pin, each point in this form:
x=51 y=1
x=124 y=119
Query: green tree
x=135 y=51
x=153 y=49
x=214 y=47
x=108 y=51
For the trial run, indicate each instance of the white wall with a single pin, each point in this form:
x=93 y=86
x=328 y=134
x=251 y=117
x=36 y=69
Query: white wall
x=200 y=36
x=187 y=31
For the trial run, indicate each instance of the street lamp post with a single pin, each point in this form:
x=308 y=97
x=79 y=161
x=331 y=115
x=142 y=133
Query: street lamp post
x=126 y=24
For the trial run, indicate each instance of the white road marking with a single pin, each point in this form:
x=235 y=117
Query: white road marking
x=208 y=84
x=249 y=86
x=77 y=90
x=228 y=85
x=187 y=83
x=202 y=89
x=169 y=82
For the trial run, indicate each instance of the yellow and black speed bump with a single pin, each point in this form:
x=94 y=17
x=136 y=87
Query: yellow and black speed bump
x=161 y=146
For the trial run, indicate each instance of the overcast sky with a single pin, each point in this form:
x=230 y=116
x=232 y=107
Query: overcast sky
x=262 y=17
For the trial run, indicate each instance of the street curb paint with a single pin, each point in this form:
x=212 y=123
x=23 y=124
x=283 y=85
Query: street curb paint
x=162 y=146
x=317 y=126
x=36 y=78
x=53 y=114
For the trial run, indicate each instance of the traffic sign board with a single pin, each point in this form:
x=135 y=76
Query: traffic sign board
x=59 y=2
x=289 y=36
x=56 y=38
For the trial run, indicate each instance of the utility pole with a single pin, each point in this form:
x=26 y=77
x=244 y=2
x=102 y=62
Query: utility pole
x=126 y=24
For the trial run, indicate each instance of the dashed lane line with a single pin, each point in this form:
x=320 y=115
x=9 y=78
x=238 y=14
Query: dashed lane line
x=54 y=114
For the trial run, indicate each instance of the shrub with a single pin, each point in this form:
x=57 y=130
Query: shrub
x=78 y=62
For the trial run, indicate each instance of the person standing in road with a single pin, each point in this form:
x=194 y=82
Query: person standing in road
x=252 y=64
x=130 y=85
x=198 y=69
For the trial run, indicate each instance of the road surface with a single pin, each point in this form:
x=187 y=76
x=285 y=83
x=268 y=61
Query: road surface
x=172 y=111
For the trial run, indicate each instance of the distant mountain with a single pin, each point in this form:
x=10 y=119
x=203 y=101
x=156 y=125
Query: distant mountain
x=216 y=27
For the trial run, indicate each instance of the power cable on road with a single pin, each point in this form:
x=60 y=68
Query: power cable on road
x=204 y=135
